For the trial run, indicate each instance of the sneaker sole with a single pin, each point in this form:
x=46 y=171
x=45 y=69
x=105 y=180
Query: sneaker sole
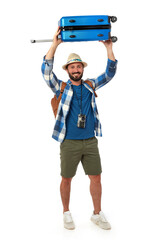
x=69 y=228
x=96 y=223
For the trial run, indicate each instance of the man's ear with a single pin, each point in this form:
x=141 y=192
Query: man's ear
x=67 y=69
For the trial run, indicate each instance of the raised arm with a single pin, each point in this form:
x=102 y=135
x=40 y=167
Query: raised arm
x=109 y=47
x=47 y=66
x=110 y=69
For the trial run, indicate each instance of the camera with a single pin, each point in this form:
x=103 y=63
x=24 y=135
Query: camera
x=81 y=121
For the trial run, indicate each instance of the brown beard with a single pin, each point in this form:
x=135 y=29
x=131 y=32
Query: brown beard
x=76 y=79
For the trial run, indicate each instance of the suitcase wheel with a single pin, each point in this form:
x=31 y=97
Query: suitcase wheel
x=113 y=19
x=114 y=39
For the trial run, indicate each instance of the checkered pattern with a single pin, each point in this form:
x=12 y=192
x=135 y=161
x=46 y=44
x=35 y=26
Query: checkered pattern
x=55 y=84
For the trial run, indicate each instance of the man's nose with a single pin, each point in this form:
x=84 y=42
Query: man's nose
x=77 y=69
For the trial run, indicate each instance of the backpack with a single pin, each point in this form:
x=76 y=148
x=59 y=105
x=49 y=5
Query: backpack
x=55 y=101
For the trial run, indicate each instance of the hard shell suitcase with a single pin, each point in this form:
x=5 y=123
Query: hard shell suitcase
x=86 y=28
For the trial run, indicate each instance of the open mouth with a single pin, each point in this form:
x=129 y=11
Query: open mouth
x=76 y=74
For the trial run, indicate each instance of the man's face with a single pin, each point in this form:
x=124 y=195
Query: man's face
x=75 y=71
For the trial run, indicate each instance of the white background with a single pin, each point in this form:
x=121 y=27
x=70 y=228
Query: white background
x=30 y=204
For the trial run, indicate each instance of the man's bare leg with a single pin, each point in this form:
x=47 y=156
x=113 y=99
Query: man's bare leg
x=65 y=187
x=96 y=192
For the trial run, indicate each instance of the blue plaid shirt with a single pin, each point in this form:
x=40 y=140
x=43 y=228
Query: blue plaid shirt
x=55 y=84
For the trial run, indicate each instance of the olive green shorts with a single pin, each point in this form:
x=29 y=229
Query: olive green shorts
x=74 y=151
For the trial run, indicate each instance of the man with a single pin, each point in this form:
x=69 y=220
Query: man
x=77 y=122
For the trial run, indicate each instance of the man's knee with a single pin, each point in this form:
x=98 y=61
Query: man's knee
x=95 y=178
x=66 y=180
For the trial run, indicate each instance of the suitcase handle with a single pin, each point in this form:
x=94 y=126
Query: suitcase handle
x=100 y=20
x=72 y=36
x=72 y=21
x=100 y=35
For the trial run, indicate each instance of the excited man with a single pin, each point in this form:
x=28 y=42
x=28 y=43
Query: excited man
x=77 y=123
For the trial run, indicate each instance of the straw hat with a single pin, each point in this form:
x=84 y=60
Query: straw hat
x=74 y=58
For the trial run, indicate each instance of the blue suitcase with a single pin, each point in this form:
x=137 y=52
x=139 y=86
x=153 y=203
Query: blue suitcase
x=86 y=28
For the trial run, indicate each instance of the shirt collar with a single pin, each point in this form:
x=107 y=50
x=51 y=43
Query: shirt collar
x=70 y=83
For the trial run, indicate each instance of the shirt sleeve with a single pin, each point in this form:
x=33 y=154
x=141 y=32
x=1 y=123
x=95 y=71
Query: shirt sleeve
x=105 y=77
x=49 y=76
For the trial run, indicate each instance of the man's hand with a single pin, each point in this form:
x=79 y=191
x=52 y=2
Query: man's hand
x=56 y=40
x=109 y=46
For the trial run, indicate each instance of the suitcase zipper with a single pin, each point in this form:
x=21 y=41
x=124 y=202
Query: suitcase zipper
x=86 y=27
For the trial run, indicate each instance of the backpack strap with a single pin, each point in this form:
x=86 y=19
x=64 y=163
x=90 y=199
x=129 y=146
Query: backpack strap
x=63 y=87
x=91 y=85
x=62 y=90
x=55 y=101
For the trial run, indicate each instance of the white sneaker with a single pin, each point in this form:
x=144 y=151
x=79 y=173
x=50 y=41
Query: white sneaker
x=68 y=221
x=100 y=220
